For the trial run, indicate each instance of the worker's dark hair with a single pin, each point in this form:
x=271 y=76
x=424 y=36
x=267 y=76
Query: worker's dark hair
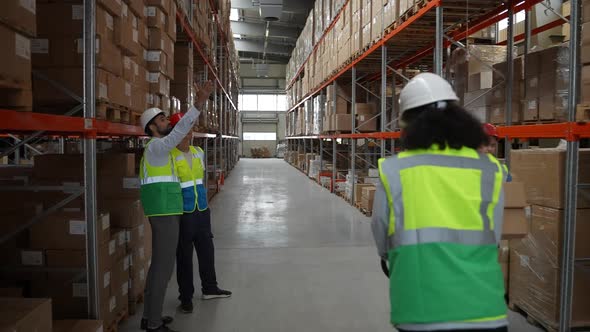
x=449 y=127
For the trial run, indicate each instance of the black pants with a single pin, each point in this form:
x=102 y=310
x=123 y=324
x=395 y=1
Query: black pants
x=500 y=329
x=195 y=232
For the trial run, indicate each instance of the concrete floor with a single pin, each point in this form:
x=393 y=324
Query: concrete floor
x=296 y=257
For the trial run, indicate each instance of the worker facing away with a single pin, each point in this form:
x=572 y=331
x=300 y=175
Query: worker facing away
x=195 y=225
x=437 y=217
x=161 y=198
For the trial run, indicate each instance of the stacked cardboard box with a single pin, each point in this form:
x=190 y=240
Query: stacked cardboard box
x=366 y=23
x=473 y=75
x=547 y=84
x=159 y=53
x=19 y=314
x=57 y=53
x=496 y=99
x=18 y=20
x=182 y=85
x=368 y=196
x=202 y=22
x=366 y=117
x=337 y=116
x=535 y=261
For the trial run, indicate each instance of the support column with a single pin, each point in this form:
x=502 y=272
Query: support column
x=90 y=159
x=383 y=96
x=352 y=140
x=571 y=176
x=334 y=160
x=438 y=48
x=509 y=78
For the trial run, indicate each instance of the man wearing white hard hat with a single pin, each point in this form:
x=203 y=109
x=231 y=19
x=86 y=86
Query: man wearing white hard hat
x=437 y=217
x=161 y=198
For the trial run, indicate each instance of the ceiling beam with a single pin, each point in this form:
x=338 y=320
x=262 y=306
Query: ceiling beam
x=259 y=29
x=252 y=46
x=299 y=6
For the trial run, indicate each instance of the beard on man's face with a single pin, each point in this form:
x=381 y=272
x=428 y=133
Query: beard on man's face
x=165 y=131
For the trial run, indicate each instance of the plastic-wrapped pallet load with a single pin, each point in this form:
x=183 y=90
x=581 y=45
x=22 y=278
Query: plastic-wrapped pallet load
x=547 y=84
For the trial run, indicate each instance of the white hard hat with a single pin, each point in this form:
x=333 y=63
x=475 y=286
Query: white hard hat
x=148 y=115
x=424 y=89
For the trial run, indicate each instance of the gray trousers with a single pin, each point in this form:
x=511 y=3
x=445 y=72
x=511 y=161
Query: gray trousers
x=164 y=243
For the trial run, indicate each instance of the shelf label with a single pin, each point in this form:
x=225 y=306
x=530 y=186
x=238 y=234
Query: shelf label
x=107 y=280
x=110 y=21
x=40 y=46
x=32 y=257
x=125 y=288
x=131 y=183
x=150 y=11
x=122 y=238
x=112 y=247
x=141 y=230
x=22 y=46
x=77 y=12
x=113 y=304
x=106 y=222
x=77 y=227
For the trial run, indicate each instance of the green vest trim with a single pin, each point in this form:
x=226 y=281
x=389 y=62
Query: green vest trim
x=160 y=190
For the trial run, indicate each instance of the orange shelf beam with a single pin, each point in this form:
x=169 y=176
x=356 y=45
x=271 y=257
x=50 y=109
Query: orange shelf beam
x=540 y=29
x=571 y=131
x=188 y=30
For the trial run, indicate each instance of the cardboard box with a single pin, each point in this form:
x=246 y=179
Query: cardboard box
x=497 y=113
x=358 y=190
x=160 y=41
x=78 y=325
x=535 y=284
x=137 y=7
x=127 y=32
x=158 y=83
x=25 y=315
x=135 y=237
x=480 y=81
x=366 y=123
x=20 y=15
x=57 y=52
x=77 y=258
x=171 y=21
x=67 y=230
x=530 y=109
x=164 y=5
x=124 y=213
x=15 y=57
x=155 y=17
x=548 y=190
x=112 y=6
x=342 y=122
x=70 y=166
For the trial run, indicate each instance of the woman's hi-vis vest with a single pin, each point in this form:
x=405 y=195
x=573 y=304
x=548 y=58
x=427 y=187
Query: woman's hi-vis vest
x=444 y=206
x=160 y=189
x=194 y=193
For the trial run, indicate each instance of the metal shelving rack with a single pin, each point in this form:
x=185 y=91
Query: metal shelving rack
x=88 y=129
x=420 y=42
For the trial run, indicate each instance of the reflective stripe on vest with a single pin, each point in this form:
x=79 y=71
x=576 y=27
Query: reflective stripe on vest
x=399 y=236
x=191 y=176
x=188 y=184
x=158 y=179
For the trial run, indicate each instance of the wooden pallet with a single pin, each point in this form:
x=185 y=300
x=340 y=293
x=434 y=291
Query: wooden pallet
x=112 y=112
x=532 y=319
x=121 y=316
x=583 y=113
x=366 y=212
x=535 y=122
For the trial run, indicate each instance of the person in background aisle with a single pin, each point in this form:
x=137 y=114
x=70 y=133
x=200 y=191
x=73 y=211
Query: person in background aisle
x=437 y=217
x=491 y=144
x=195 y=225
x=161 y=198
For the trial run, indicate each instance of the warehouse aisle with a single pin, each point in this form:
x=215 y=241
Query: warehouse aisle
x=296 y=257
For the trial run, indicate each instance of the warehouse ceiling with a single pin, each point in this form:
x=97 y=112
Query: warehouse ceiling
x=271 y=42
x=265 y=47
